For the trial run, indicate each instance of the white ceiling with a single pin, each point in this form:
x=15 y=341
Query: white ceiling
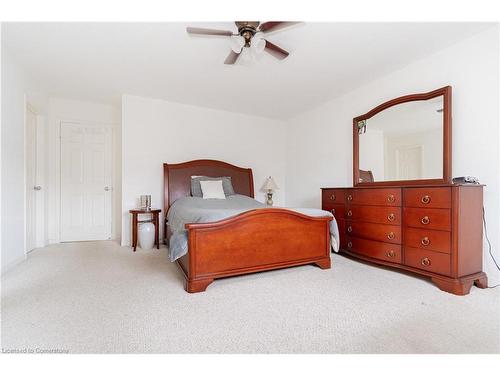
x=102 y=61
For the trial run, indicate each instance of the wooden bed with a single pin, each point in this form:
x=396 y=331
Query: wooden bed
x=256 y=240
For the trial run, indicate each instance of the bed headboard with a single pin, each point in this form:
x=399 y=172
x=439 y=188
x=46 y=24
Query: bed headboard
x=177 y=178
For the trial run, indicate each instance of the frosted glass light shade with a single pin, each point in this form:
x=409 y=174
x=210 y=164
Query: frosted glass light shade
x=237 y=42
x=258 y=43
x=245 y=55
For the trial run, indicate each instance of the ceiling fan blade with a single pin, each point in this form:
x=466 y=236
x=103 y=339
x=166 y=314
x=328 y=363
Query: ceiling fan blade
x=276 y=51
x=267 y=27
x=201 y=31
x=231 y=58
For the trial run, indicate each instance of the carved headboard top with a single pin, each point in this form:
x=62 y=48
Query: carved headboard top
x=177 y=178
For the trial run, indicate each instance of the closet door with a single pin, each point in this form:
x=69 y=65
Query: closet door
x=85 y=182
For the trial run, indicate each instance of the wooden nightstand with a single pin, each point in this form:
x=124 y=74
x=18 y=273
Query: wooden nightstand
x=155 y=213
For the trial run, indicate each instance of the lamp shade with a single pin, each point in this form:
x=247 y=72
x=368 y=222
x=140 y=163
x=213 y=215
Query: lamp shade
x=270 y=184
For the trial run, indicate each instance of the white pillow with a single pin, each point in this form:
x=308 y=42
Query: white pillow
x=212 y=189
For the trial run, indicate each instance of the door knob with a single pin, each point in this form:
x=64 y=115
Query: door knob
x=107 y=188
x=37 y=187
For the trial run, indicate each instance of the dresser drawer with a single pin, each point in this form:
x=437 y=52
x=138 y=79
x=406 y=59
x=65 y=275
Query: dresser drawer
x=374 y=249
x=338 y=210
x=435 y=240
x=332 y=196
x=376 y=232
x=439 y=197
x=428 y=260
x=374 y=214
x=374 y=197
x=428 y=218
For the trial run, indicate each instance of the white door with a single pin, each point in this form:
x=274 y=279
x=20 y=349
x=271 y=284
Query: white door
x=409 y=162
x=32 y=189
x=85 y=182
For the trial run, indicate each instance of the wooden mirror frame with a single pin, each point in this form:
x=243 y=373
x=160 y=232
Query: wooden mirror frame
x=446 y=93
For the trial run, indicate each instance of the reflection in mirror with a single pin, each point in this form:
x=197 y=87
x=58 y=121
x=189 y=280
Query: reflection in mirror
x=403 y=142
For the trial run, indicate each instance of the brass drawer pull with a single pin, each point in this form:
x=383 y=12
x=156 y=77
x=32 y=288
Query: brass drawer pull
x=390 y=254
x=349 y=197
x=349 y=244
x=391 y=198
x=333 y=211
x=425 y=262
x=333 y=197
x=425 y=241
x=391 y=217
x=425 y=220
x=426 y=199
x=349 y=229
x=349 y=213
x=391 y=236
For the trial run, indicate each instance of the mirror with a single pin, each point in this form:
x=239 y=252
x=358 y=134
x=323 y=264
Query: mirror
x=404 y=141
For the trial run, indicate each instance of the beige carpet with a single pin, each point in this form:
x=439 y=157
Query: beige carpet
x=98 y=297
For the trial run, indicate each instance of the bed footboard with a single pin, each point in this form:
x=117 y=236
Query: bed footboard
x=257 y=240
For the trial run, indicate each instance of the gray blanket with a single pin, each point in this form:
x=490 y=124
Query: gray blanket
x=198 y=210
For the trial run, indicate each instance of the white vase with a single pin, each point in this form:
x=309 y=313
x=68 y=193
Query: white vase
x=146 y=235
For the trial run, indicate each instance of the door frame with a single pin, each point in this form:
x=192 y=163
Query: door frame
x=111 y=129
x=39 y=201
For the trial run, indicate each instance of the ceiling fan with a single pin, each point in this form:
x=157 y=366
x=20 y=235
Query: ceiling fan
x=250 y=35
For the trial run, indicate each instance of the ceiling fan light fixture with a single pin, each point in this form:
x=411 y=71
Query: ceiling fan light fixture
x=237 y=42
x=246 y=56
x=258 y=43
x=249 y=42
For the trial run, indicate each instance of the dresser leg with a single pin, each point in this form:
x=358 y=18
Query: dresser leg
x=454 y=286
x=481 y=281
x=463 y=285
x=324 y=264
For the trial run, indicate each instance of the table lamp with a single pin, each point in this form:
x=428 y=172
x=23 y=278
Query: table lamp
x=269 y=186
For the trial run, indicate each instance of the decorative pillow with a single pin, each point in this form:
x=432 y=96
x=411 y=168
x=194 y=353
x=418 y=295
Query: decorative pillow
x=196 y=188
x=212 y=189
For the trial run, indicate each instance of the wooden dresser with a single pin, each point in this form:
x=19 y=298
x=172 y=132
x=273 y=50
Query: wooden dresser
x=435 y=231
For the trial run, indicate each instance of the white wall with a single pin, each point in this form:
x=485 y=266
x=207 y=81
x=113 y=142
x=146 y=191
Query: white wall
x=157 y=131
x=17 y=89
x=319 y=142
x=61 y=109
